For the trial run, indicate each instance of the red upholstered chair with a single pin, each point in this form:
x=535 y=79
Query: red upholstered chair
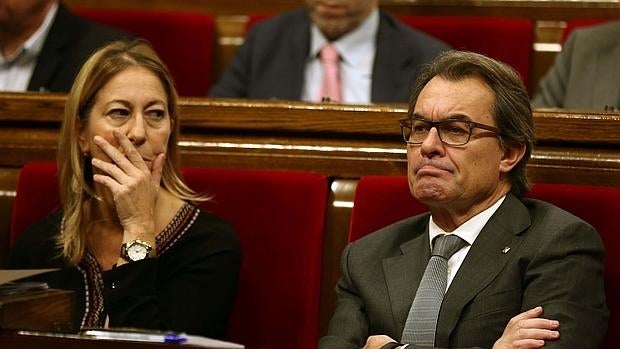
x=279 y=217
x=509 y=40
x=580 y=23
x=598 y=206
x=382 y=200
x=255 y=18
x=184 y=40
x=36 y=196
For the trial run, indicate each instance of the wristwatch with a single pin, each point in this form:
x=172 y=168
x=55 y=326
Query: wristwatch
x=135 y=250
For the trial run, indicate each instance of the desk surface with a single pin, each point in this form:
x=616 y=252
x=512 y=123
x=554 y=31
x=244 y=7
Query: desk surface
x=14 y=340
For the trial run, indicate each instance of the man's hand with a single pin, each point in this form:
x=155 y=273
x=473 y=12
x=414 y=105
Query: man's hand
x=528 y=330
x=376 y=342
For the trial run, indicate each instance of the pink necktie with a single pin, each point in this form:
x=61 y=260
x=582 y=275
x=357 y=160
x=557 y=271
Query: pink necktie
x=330 y=88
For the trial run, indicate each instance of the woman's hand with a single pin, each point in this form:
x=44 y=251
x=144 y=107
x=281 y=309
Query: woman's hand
x=133 y=185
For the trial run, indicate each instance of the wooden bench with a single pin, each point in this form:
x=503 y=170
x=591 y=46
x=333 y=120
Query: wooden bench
x=344 y=142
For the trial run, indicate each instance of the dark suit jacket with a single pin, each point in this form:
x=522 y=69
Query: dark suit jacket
x=271 y=63
x=555 y=260
x=585 y=74
x=68 y=45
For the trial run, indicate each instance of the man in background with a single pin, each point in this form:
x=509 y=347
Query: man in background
x=339 y=50
x=43 y=45
x=585 y=74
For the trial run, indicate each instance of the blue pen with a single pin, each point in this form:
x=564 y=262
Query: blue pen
x=174 y=338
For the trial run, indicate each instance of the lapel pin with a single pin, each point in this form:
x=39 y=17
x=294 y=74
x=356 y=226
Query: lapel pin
x=505 y=250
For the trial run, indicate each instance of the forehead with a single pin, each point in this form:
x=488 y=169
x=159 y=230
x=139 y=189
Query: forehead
x=441 y=98
x=349 y=3
x=134 y=83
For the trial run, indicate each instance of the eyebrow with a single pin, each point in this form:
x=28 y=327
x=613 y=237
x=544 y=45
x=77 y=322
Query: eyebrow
x=453 y=117
x=128 y=104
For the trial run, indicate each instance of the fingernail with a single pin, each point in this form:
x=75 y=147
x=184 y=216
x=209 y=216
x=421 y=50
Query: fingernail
x=98 y=139
x=555 y=322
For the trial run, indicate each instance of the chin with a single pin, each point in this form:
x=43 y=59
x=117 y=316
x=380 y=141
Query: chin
x=428 y=194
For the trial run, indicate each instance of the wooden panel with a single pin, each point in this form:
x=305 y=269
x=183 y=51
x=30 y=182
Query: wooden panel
x=340 y=140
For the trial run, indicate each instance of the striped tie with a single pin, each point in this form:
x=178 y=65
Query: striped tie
x=422 y=319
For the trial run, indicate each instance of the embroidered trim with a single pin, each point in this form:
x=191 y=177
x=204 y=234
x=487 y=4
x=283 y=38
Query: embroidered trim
x=93 y=286
x=93 y=275
x=178 y=226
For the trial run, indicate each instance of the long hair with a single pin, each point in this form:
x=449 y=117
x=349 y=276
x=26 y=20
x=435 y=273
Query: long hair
x=511 y=110
x=75 y=171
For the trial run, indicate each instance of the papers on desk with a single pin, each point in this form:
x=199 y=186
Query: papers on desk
x=211 y=343
x=10 y=284
x=8 y=275
x=136 y=335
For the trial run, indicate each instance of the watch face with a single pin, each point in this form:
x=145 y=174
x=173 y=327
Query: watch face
x=137 y=251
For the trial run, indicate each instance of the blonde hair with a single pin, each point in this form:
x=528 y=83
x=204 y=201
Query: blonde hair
x=75 y=172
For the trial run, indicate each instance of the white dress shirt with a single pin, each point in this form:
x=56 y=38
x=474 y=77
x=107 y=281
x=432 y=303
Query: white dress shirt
x=357 y=54
x=467 y=231
x=16 y=71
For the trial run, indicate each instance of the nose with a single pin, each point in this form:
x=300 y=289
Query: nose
x=136 y=131
x=432 y=145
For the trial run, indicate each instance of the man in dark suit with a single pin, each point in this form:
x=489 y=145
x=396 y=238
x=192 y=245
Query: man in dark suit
x=379 y=56
x=44 y=45
x=585 y=74
x=528 y=273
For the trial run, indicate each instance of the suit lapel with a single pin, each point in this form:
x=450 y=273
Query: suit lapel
x=390 y=73
x=403 y=274
x=60 y=34
x=298 y=47
x=484 y=261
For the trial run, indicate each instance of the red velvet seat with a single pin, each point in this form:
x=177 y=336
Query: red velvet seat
x=36 y=196
x=599 y=207
x=509 y=40
x=279 y=217
x=184 y=40
x=382 y=200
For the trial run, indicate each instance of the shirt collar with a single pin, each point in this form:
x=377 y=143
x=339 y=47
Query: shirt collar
x=33 y=46
x=352 y=45
x=469 y=230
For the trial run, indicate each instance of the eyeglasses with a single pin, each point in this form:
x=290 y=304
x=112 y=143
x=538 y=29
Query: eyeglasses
x=451 y=132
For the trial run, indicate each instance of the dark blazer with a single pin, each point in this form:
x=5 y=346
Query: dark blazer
x=585 y=74
x=69 y=43
x=555 y=260
x=271 y=63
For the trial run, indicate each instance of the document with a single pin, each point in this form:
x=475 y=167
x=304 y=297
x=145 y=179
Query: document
x=10 y=284
x=8 y=275
x=139 y=335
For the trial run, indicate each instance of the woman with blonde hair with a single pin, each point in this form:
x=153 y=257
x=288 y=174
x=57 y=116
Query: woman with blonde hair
x=130 y=239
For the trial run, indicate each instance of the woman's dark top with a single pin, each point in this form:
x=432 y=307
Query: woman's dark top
x=190 y=286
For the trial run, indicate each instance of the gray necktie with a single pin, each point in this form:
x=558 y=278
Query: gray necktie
x=422 y=319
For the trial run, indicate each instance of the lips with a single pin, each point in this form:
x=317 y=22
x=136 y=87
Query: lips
x=330 y=8
x=432 y=167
